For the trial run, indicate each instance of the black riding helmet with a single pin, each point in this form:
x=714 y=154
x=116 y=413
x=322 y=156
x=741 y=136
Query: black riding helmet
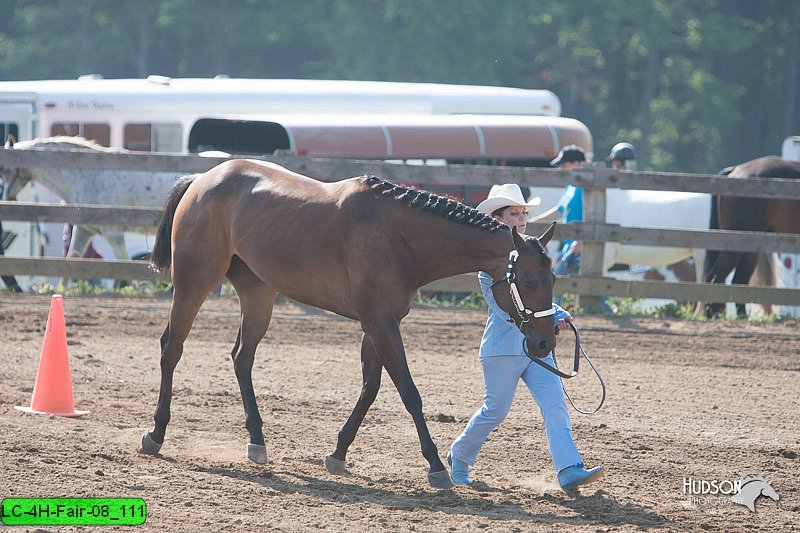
x=622 y=152
x=568 y=154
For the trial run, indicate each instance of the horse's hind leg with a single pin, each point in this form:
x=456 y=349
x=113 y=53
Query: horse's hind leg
x=371 y=370
x=257 y=301
x=79 y=242
x=193 y=279
x=722 y=265
x=116 y=239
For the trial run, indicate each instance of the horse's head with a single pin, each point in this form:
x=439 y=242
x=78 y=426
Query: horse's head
x=13 y=178
x=526 y=293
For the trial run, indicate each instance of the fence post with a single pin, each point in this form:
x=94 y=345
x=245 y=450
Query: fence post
x=594 y=211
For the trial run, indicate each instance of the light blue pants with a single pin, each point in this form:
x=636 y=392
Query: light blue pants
x=501 y=373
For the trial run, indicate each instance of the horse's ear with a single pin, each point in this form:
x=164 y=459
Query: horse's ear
x=519 y=242
x=545 y=237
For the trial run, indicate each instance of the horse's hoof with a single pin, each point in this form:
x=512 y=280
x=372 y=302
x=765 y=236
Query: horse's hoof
x=257 y=453
x=440 y=480
x=335 y=466
x=149 y=446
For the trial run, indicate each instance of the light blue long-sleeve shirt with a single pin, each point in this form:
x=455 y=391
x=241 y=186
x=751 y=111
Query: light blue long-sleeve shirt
x=501 y=336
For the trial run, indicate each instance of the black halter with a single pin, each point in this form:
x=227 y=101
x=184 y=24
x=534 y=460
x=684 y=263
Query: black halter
x=524 y=313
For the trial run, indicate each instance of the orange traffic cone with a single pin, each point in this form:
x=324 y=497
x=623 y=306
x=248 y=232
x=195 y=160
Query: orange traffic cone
x=52 y=393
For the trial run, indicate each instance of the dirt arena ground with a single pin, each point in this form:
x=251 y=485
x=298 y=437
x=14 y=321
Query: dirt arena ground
x=706 y=400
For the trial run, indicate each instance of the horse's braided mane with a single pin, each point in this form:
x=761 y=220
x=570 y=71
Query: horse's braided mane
x=433 y=203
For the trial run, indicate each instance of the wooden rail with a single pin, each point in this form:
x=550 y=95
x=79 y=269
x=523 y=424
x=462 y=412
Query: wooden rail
x=149 y=217
x=680 y=291
x=477 y=175
x=592 y=231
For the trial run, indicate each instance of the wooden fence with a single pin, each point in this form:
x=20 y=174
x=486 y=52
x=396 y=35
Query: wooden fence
x=592 y=231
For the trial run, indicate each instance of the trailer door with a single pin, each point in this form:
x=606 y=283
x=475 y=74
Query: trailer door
x=16 y=118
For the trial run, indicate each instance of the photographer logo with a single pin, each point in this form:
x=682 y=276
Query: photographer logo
x=743 y=491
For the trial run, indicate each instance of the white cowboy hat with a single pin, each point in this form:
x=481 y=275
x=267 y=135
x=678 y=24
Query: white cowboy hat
x=504 y=196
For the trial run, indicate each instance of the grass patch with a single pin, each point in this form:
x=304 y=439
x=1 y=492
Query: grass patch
x=630 y=307
x=450 y=300
x=88 y=288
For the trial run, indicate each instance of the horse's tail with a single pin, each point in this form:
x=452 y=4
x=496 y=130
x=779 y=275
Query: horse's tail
x=711 y=255
x=161 y=256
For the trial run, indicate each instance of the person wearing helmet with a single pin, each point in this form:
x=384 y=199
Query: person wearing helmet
x=622 y=157
x=568 y=209
x=570 y=157
x=570 y=205
x=504 y=364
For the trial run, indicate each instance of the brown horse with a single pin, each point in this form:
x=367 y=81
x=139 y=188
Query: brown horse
x=359 y=247
x=750 y=214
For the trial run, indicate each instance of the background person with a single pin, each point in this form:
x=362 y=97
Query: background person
x=622 y=157
x=568 y=209
x=504 y=364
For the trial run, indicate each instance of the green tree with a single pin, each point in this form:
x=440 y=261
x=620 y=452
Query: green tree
x=696 y=85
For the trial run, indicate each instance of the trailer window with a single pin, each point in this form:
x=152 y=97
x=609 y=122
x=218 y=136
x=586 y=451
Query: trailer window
x=153 y=137
x=98 y=132
x=9 y=128
x=238 y=136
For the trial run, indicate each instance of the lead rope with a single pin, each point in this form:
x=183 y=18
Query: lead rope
x=562 y=375
x=578 y=347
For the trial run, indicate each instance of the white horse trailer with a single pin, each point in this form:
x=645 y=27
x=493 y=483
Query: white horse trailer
x=158 y=113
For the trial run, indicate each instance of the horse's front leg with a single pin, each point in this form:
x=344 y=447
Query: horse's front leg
x=371 y=370
x=384 y=332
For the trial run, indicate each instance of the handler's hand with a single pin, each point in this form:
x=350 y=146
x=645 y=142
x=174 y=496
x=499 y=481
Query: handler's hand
x=563 y=323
